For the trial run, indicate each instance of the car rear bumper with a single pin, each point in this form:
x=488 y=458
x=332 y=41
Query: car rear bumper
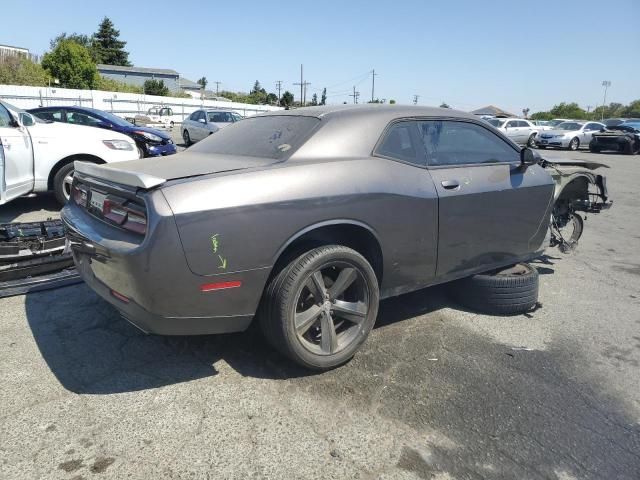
x=150 y=284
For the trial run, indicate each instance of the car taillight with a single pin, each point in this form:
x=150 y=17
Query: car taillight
x=80 y=194
x=126 y=214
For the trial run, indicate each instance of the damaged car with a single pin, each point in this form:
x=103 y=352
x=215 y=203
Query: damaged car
x=305 y=219
x=623 y=138
x=579 y=190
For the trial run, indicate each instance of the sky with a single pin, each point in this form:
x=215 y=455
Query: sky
x=467 y=53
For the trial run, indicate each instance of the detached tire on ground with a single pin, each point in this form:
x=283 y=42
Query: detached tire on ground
x=507 y=291
x=319 y=309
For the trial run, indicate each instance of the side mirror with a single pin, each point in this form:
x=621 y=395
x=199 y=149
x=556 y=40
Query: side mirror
x=27 y=120
x=529 y=157
x=202 y=120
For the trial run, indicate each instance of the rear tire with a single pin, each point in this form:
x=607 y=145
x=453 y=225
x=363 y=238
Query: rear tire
x=62 y=183
x=594 y=149
x=310 y=318
x=531 y=143
x=507 y=291
x=186 y=137
x=628 y=148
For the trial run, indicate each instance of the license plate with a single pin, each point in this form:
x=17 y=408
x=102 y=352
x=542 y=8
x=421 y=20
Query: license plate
x=97 y=200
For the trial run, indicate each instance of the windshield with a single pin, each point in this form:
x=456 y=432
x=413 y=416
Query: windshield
x=569 y=126
x=18 y=112
x=496 y=122
x=110 y=117
x=272 y=136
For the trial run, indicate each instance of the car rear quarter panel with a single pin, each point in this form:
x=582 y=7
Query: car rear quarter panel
x=237 y=222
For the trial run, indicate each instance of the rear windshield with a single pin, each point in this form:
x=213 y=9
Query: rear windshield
x=272 y=136
x=495 y=122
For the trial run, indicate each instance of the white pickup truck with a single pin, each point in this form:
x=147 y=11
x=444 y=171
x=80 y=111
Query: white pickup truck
x=37 y=155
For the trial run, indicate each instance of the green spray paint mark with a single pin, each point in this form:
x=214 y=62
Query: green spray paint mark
x=223 y=263
x=214 y=243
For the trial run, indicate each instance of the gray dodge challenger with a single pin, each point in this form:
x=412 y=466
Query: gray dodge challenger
x=305 y=219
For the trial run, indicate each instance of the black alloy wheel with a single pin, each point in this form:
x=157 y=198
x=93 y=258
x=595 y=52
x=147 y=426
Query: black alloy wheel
x=321 y=307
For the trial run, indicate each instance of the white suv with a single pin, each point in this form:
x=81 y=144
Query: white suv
x=519 y=130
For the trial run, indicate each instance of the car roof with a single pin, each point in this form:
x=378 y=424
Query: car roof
x=381 y=111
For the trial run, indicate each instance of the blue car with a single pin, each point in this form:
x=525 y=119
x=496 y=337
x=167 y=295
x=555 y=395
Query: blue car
x=150 y=142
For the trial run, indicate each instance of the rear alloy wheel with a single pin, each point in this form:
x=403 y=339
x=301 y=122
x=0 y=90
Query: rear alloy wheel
x=574 y=144
x=507 y=291
x=321 y=307
x=62 y=183
x=140 y=152
x=186 y=137
x=532 y=141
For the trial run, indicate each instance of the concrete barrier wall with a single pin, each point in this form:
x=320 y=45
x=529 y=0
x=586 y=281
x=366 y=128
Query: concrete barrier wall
x=121 y=104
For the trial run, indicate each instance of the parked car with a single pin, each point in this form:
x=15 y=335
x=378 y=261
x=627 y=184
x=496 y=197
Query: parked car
x=624 y=138
x=309 y=217
x=202 y=123
x=557 y=121
x=150 y=142
x=158 y=116
x=519 y=130
x=39 y=155
x=612 y=122
x=570 y=135
x=542 y=124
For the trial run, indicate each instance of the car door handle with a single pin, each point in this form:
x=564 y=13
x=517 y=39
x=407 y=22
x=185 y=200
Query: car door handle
x=450 y=184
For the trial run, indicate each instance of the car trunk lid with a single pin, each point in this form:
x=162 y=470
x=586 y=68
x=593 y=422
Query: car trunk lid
x=154 y=171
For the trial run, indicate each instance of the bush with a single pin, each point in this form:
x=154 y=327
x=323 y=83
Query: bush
x=72 y=64
x=22 y=71
x=110 y=85
x=156 y=87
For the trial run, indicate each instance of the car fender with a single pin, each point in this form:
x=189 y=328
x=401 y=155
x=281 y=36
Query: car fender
x=318 y=225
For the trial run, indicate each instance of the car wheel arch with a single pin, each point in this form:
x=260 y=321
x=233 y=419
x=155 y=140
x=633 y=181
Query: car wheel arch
x=576 y=187
x=353 y=234
x=67 y=160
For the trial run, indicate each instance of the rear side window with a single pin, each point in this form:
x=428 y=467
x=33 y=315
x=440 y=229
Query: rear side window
x=449 y=142
x=51 y=115
x=272 y=136
x=398 y=143
x=522 y=123
x=79 y=118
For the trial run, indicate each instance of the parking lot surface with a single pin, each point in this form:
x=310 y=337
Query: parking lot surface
x=436 y=392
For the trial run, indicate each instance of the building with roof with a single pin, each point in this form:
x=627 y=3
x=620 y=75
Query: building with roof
x=8 y=51
x=138 y=75
x=493 y=111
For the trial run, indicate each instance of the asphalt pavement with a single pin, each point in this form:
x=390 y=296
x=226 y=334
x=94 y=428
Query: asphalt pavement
x=437 y=391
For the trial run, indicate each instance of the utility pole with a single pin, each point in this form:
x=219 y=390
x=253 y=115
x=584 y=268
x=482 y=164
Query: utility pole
x=373 y=83
x=217 y=87
x=279 y=86
x=304 y=96
x=355 y=95
x=415 y=99
x=588 y=108
x=301 y=86
x=606 y=84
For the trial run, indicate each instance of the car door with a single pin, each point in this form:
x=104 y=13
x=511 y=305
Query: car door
x=589 y=129
x=512 y=130
x=16 y=162
x=491 y=210
x=199 y=126
x=526 y=129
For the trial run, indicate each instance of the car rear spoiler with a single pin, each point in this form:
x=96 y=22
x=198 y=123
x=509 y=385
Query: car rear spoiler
x=115 y=175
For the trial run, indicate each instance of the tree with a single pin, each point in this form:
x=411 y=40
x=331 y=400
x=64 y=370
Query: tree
x=203 y=82
x=314 y=99
x=272 y=99
x=444 y=105
x=107 y=48
x=72 y=64
x=323 y=97
x=79 y=38
x=392 y=102
x=287 y=99
x=257 y=89
x=156 y=87
x=568 y=110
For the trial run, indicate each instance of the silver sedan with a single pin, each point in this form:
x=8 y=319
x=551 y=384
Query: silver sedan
x=202 y=123
x=570 y=135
